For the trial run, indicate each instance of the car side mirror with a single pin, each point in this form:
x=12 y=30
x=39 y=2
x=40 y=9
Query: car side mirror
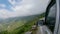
x=40 y=22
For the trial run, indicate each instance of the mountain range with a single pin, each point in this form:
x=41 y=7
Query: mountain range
x=15 y=21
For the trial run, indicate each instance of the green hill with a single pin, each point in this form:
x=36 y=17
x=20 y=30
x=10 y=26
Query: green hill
x=18 y=25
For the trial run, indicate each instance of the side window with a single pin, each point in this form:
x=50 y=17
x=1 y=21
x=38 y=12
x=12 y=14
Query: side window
x=51 y=18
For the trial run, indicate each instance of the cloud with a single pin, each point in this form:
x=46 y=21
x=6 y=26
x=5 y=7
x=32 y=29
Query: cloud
x=25 y=8
x=2 y=5
x=4 y=13
x=14 y=2
x=31 y=7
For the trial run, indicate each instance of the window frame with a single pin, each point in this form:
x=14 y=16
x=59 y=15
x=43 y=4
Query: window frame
x=56 y=28
x=48 y=9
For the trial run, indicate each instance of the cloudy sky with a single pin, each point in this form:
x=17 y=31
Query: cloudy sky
x=14 y=8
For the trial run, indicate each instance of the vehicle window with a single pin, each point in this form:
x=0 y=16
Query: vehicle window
x=51 y=18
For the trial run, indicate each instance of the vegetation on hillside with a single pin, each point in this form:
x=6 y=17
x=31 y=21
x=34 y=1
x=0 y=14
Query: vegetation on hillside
x=20 y=27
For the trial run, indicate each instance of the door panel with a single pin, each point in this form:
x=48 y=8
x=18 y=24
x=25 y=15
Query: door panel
x=59 y=19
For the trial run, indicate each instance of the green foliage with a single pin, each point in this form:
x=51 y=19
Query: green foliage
x=23 y=27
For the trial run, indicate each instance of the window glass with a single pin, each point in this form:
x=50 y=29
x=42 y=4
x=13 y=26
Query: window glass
x=51 y=17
